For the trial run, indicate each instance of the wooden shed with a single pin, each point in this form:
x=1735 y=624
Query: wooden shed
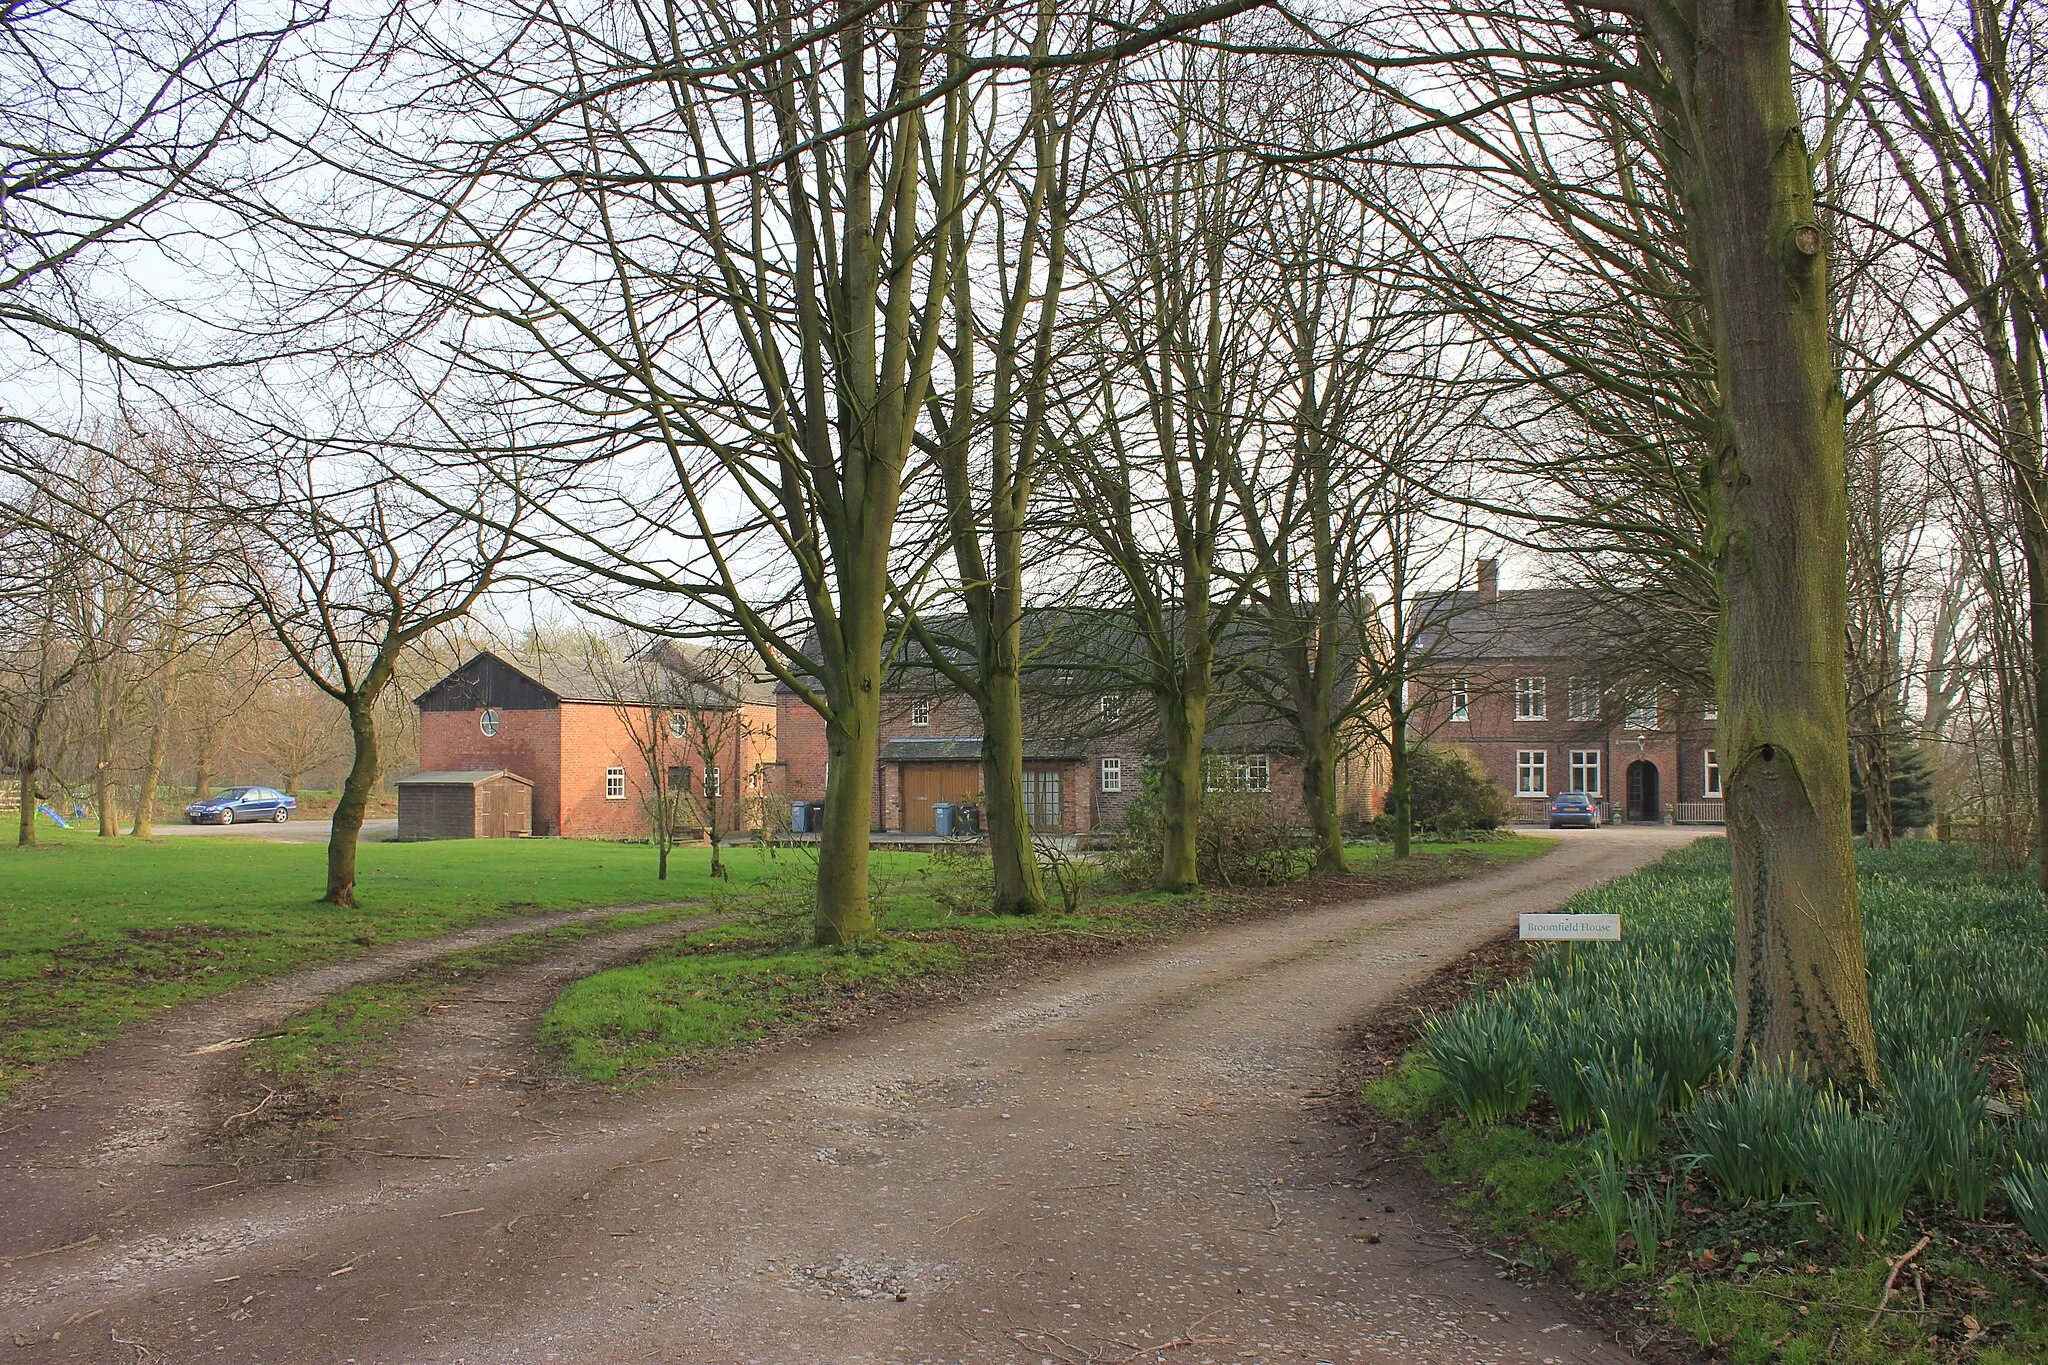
x=482 y=803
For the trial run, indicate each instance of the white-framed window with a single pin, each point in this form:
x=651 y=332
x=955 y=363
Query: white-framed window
x=1642 y=712
x=712 y=786
x=678 y=724
x=1112 y=775
x=1710 y=774
x=1532 y=772
x=1710 y=711
x=1239 y=773
x=921 y=711
x=1461 y=700
x=614 y=784
x=488 y=722
x=1112 y=709
x=1583 y=700
x=1531 y=703
x=1585 y=764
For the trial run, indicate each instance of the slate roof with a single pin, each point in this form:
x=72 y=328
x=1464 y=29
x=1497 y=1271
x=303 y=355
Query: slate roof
x=574 y=679
x=1522 y=623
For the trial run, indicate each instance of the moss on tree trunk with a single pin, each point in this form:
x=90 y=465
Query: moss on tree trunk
x=1780 y=535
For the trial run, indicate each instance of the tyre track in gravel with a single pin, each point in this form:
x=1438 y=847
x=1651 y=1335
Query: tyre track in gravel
x=1141 y=1158
x=98 y=1134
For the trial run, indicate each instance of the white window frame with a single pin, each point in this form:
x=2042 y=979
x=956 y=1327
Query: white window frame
x=489 y=721
x=1641 y=713
x=1532 y=698
x=1583 y=699
x=1110 y=773
x=1112 y=709
x=1238 y=773
x=712 y=785
x=1584 y=763
x=920 y=711
x=1710 y=711
x=1710 y=775
x=1461 y=700
x=614 y=784
x=678 y=724
x=1532 y=772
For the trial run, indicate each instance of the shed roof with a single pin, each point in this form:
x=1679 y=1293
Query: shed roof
x=464 y=777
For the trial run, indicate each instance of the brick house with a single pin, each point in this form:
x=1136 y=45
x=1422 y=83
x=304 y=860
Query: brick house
x=1085 y=753
x=558 y=725
x=1514 y=679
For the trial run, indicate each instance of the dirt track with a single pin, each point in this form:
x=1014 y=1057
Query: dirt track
x=1136 y=1159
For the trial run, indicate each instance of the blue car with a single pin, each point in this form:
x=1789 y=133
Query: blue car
x=242 y=803
x=1574 y=808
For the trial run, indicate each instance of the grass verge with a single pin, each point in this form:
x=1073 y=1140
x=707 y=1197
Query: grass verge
x=98 y=934
x=753 y=980
x=1670 y=1258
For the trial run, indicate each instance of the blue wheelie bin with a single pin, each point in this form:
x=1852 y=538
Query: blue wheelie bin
x=944 y=815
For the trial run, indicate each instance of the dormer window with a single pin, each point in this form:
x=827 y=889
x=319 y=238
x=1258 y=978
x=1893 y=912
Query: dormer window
x=1112 y=709
x=921 y=711
x=488 y=722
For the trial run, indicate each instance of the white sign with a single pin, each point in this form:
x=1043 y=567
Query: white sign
x=1605 y=928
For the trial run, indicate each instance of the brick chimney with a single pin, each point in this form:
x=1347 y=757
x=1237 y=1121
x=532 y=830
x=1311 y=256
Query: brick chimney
x=1489 y=580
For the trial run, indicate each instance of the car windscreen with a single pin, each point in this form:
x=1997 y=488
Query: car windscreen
x=231 y=794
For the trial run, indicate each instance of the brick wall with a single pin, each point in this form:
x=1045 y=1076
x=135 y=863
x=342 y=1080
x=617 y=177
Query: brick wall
x=1492 y=735
x=527 y=743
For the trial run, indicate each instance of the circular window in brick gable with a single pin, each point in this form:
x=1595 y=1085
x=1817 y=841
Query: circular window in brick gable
x=488 y=722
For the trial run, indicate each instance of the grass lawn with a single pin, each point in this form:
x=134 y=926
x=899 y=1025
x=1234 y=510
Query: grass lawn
x=96 y=934
x=1960 y=1000
x=745 y=981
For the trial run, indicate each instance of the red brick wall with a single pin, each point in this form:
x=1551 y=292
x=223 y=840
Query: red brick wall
x=800 y=748
x=1492 y=735
x=527 y=743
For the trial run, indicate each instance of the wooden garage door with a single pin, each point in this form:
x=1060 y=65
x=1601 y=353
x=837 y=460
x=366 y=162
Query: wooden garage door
x=924 y=783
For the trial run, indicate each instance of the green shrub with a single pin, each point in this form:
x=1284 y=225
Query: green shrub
x=1938 y=1102
x=1627 y=1095
x=1605 y=1188
x=1485 y=1057
x=1857 y=1166
x=1560 y=1041
x=2026 y=1189
x=1651 y=1217
x=1241 y=839
x=1449 y=791
x=1744 y=1133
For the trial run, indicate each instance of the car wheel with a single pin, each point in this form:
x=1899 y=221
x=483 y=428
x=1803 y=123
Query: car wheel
x=279 y=817
x=227 y=817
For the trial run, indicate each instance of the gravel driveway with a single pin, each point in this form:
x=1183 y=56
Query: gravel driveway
x=1137 y=1159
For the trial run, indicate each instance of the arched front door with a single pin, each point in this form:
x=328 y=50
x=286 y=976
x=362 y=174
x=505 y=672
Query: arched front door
x=1644 y=803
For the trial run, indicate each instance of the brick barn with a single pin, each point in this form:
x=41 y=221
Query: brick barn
x=560 y=725
x=1514 y=681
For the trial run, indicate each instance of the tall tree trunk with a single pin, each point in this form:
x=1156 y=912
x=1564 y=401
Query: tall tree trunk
x=159 y=741
x=1182 y=720
x=1780 y=537
x=355 y=800
x=843 y=913
x=26 y=776
x=1400 y=781
x=1319 y=780
x=1018 y=887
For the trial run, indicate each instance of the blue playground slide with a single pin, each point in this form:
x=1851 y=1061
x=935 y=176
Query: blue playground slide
x=59 y=821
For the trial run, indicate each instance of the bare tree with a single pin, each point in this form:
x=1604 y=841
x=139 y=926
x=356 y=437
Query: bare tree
x=352 y=575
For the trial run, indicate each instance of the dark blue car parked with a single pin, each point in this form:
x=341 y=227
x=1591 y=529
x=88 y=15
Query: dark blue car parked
x=1574 y=808
x=242 y=803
